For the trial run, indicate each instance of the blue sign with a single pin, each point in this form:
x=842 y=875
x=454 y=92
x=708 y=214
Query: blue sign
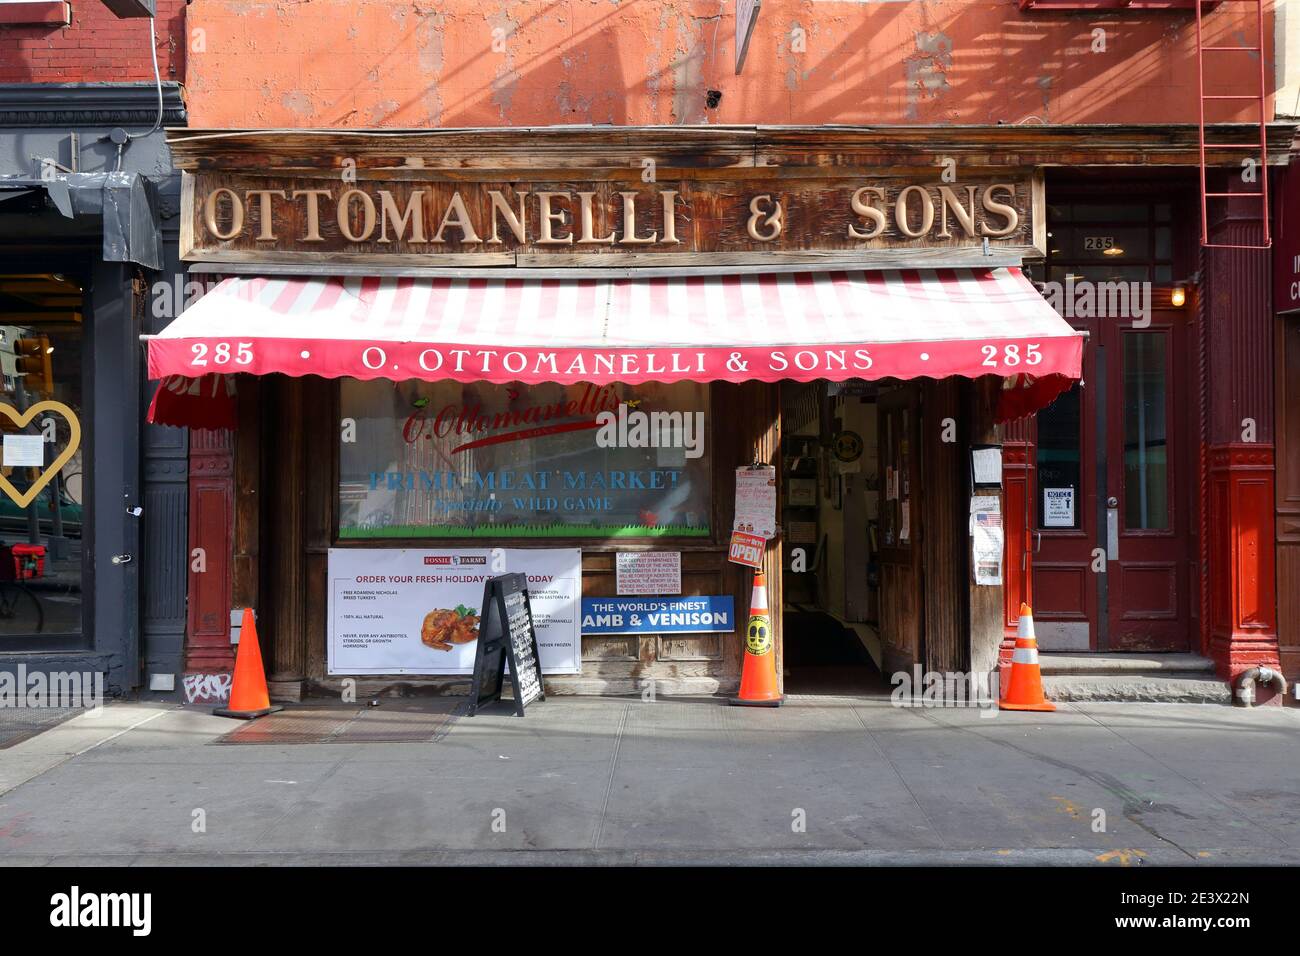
x=642 y=615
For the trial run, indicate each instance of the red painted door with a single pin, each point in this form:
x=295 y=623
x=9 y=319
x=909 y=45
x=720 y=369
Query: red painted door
x=1114 y=482
x=1148 y=523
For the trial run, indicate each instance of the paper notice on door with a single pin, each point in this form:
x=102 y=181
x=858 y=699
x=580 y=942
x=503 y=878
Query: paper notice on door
x=1058 y=507
x=986 y=466
x=905 y=520
x=983 y=504
x=756 y=501
x=23 y=451
x=986 y=547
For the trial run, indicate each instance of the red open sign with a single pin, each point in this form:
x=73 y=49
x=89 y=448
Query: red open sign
x=747 y=549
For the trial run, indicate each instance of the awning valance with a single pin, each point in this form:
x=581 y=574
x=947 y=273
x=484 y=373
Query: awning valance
x=798 y=326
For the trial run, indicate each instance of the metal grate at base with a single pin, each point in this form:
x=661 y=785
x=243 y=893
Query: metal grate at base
x=426 y=723
x=21 y=723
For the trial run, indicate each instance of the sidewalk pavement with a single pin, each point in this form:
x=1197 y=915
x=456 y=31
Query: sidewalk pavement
x=618 y=781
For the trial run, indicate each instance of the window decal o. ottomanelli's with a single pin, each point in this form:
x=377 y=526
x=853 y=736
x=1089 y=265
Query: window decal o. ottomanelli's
x=448 y=459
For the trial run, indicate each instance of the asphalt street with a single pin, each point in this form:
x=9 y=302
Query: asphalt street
x=825 y=780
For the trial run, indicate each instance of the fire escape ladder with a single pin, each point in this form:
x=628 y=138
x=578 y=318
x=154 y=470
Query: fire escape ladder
x=1257 y=150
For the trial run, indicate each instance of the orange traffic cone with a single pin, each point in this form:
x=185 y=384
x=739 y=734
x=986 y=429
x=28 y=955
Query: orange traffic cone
x=248 y=696
x=1025 y=686
x=758 y=678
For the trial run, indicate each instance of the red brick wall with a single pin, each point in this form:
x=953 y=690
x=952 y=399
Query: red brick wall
x=96 y=46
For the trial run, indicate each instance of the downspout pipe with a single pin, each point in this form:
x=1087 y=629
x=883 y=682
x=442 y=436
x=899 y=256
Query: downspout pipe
x=1245 y=695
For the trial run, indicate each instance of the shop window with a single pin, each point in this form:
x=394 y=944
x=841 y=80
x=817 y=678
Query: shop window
x=445 y=459
x=1058 y=462
x=1110 y=242
x=1146 y=445
x=42 y=510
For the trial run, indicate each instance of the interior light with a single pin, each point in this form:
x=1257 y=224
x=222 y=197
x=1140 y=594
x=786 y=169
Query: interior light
x=1178 y=296
x=1113 y=251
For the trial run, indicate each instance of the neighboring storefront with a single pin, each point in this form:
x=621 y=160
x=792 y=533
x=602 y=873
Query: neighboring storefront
x=1286 y=304
x=93 y=502
x=461 y=352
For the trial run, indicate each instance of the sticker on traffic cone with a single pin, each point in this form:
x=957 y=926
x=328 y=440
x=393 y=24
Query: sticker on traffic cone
x=248 y=696
x=1025 y=686
x=758 y=677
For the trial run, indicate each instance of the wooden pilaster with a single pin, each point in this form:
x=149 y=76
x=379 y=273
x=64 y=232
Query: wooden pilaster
x=285 y=513
x=1017 y=517
x=987 y=611
x=211 y=516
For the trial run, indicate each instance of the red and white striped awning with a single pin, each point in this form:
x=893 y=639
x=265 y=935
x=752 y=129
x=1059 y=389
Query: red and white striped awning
x=799 y=326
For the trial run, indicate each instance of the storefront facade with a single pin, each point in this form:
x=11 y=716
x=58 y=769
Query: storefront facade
x=93 y=519
x=1286 y=335
x=343 y=456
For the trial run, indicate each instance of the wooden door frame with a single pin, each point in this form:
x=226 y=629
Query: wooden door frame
x=1181 y=487
x=908 y=561
x=1186 y=429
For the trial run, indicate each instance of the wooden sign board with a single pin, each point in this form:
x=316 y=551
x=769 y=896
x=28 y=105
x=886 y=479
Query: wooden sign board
x=678 y=219
x=746 y=17
x=506 y=636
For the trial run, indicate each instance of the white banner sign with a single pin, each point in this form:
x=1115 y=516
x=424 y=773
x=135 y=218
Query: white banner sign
x=416 y=611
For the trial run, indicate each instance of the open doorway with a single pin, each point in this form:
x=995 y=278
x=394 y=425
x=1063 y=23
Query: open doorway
x=829 y=508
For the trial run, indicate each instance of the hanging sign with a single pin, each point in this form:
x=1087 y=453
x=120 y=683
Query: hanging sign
x=756 y=501
x=746 y=549
x=702 y=614
x=506 y=636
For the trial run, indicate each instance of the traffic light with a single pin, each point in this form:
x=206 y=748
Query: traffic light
x=34 y=363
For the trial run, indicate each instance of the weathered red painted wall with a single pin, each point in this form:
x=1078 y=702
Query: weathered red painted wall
x=363 y=63
x=95 y=46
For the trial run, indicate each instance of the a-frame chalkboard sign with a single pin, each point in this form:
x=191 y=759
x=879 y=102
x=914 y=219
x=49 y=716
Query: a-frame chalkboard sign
x=505 y=633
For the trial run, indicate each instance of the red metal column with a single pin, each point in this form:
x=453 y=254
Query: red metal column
x=1240 y=510
x=212 y=499
x=1243 y=599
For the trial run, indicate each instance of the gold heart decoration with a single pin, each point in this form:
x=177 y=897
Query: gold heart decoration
x=21 y=419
